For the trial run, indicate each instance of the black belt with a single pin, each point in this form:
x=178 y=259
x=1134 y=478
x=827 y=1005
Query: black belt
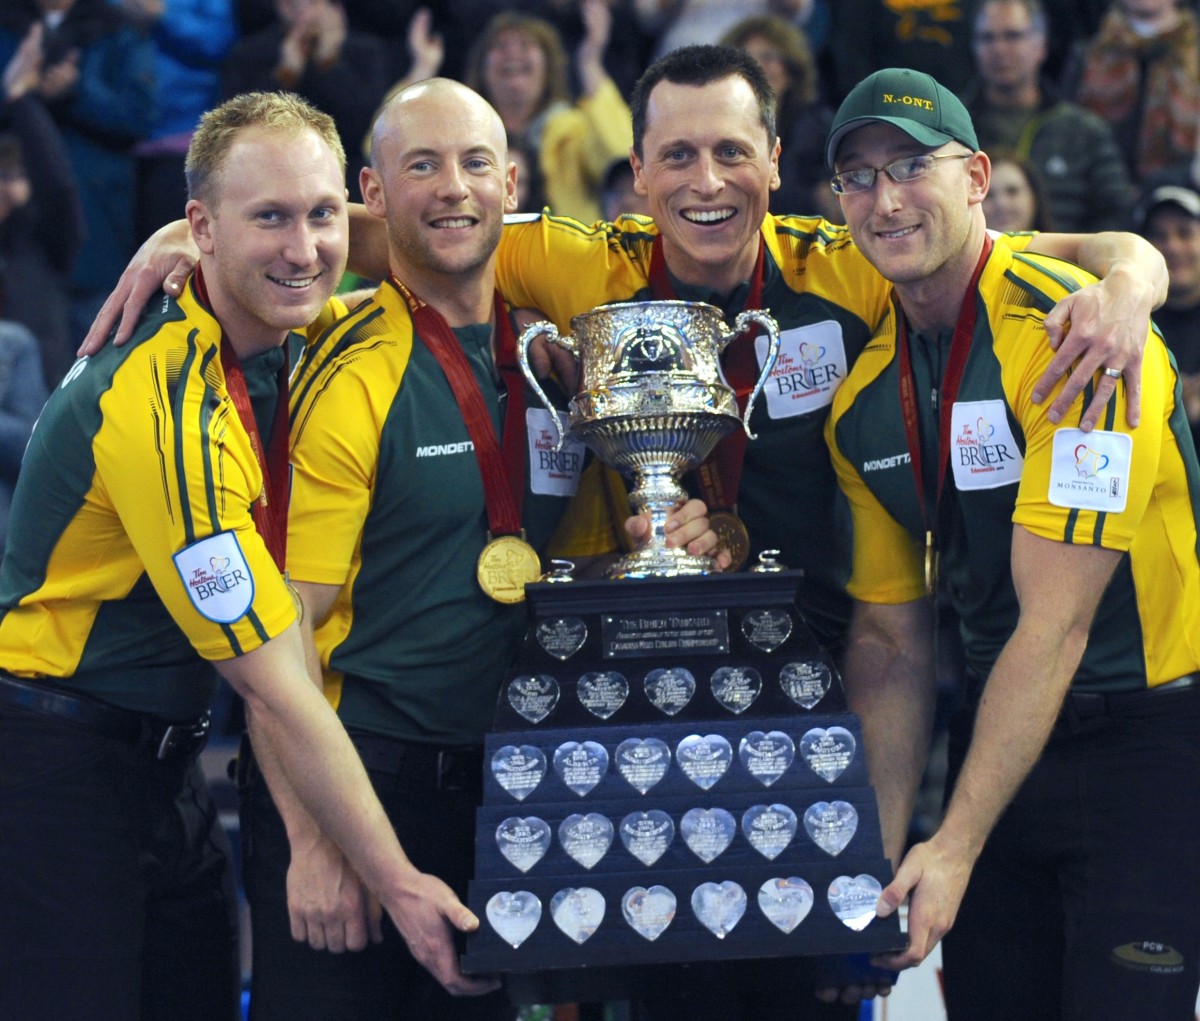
x=1098 y=703
x=422 y=766
x=177 y=742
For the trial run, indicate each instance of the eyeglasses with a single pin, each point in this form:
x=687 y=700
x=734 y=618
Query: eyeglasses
x=1011 y=35
x=910 y=168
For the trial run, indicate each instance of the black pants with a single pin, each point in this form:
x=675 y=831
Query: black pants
x=117 y=897
x=292 y=982
x=1085 y=903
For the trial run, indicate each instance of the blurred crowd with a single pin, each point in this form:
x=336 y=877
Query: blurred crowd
x=1089 y=109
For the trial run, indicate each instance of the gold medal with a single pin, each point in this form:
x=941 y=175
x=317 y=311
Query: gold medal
x=507 y=564
x=931 y=566
x=731 y=537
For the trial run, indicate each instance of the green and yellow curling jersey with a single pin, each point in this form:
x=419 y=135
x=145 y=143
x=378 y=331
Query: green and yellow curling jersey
x=1137 y=490
x=131 y=546
x=388 y=504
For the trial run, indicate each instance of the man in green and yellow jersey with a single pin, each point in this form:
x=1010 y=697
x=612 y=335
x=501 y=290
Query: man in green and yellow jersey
x=1072 y=558
x=146 y=548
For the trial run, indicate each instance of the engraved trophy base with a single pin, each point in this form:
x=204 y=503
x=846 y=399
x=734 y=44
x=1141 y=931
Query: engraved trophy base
x=672 y=776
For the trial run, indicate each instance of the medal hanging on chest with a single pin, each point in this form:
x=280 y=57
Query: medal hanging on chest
x=960 y=347
x=507 y=562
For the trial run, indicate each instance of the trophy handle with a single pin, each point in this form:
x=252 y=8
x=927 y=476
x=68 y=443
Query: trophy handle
x=528 y=335
x=741 y=325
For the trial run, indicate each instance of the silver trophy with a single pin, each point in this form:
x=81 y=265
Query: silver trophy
x=653 y=403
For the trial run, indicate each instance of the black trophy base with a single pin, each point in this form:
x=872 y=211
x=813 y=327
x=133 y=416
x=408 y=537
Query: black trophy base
x=751 y=669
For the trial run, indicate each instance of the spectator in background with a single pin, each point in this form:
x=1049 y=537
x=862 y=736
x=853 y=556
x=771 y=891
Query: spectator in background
x=191 y=39
x=676 y=23
x=1141 y=73
x=41 y=228
x=518 y=64
x=1015 y=109
x=1016 y=199
x=786 y=58
x=22 y=394
x=311 y=51
x=531 y=196
x=97 y=81
x=933 y=36
x=618 y=194
x=1169 y=218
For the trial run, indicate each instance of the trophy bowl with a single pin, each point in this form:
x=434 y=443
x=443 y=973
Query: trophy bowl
x=653 y=403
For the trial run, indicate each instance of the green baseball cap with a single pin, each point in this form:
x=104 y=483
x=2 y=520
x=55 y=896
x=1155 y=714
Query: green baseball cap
x=909 y=100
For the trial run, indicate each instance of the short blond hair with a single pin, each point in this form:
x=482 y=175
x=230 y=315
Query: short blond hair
x=219 y=127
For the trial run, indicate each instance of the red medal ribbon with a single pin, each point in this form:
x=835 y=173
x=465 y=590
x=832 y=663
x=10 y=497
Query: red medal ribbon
x=960 y=347
x=269 y=509
x=720 y=475
x=503 y=472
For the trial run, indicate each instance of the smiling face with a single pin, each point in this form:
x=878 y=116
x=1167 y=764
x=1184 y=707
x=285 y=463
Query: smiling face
x=443 y=183
x=920 y=231
x=707 y=169
x=273 y=234
x=514 y=69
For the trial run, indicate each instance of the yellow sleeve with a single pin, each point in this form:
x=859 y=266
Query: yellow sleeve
x=563 y=267
x=182 y=476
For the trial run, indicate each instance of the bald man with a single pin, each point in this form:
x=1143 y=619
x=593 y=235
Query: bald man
x=390 y=514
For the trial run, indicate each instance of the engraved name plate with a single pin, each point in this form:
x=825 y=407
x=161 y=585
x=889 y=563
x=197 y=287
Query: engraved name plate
x=806 y=682
x=643 y=763
x=696 y=632
x=736 y=687
x=586 y=838
x=766 y=756
x=719 y=906
x=670 y=688
x=534 y=696
x=704 y=759
x=647 y=835
x=853 y=899
x=519 y=769
x=580 y=765
x=785 y=902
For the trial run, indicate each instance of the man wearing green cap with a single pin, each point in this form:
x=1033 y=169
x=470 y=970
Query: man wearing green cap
x=1072 y=559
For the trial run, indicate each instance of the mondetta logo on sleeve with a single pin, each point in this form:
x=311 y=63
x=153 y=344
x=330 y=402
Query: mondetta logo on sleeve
x=217 y=578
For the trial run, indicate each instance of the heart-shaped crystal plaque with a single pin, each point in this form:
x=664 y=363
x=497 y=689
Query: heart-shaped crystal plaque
x=719 y=906
x=767 y=756
x=785 y=902
x=561 y=637
x=586 y=838
x=580 y=765
x=704 y=759
x=578 y=912
x=853 y=899
x=602 y=692
x=523 y=841
x=767 y=629
x=736 y=687
x=670 y=689
x=806 y=682
x=831 y=825
x=643 y=763
x=769 y=828
x=828 y=752
x=514 y=915
x=519 y=769
x=534 y=696
x=647 y=835
x=707 y=831
x=648 y=912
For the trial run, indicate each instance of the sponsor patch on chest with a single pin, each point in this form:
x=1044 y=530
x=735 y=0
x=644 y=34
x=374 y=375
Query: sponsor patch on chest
x=983 y=451
x=217 y=578
x=810 y=367
x=1090 y=471
x=551 y=472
